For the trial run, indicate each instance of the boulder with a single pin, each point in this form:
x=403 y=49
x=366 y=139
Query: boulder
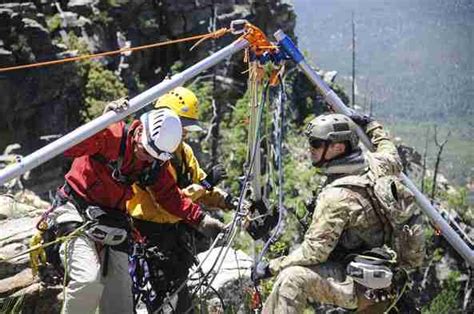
x=231 y=282
x=15 y=235
x=38 y=299
x=12 y=284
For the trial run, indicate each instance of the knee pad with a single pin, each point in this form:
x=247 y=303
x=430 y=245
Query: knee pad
x=289 y=283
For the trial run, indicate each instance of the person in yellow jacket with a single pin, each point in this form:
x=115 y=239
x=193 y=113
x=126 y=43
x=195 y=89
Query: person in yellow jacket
x=184 y=166
x=164 y=233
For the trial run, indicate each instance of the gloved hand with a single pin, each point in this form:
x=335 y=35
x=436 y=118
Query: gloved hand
x=210 y=226
x=231 y=201
x=118 y=105
x=216 y=175
x=260 y=271
x=361 y=120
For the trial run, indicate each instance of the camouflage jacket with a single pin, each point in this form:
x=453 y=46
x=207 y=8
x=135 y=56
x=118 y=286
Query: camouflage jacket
x=344 y=217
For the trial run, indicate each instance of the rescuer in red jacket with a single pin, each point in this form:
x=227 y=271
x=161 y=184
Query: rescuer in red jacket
x=96 y=190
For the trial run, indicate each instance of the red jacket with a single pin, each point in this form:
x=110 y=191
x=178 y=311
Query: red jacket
x=92 y=179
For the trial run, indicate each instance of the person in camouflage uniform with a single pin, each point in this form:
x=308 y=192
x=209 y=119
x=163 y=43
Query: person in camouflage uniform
x=344 y=221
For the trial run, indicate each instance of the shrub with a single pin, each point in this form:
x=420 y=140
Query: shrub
x=447 y=300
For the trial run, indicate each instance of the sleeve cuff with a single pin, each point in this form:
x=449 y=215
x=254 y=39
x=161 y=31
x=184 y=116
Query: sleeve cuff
x=372 y=126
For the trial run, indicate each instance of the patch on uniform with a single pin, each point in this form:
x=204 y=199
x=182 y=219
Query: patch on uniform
x=341 y=127
x=308 y=130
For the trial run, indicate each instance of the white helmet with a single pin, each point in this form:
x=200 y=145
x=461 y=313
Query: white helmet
x=162 y=133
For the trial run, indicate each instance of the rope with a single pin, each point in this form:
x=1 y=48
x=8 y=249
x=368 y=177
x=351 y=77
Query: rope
x=233 y=225
x=278 y=120
x=274 y=236
x=400 y=294
x=66 y=247
x=45 y=245
x=202 y=37
x=198 y=268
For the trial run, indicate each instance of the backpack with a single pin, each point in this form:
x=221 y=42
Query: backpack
x=395 y=206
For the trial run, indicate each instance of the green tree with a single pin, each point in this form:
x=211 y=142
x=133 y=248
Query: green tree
x=100 y=85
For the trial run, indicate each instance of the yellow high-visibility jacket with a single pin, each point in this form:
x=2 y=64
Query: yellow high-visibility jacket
x=186 y=171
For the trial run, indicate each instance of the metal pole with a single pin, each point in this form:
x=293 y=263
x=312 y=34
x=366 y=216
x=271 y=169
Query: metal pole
x=447 y=231
x=87 y=130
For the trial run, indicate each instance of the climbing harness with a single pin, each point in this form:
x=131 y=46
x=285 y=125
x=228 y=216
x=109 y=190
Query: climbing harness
x=161 y=259
x=372 y=271
x=107 y=229
x=139 y=271
x=47 y=267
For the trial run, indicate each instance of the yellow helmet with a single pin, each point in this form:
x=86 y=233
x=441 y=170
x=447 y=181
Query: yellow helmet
x=185 y=103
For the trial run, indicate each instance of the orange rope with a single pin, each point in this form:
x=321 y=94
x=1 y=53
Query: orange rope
x=216 y=34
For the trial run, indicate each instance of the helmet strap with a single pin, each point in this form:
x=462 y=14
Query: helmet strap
x=323 y=160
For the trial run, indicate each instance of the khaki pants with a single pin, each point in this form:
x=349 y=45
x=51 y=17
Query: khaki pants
x=87 y=289
x=325 y=283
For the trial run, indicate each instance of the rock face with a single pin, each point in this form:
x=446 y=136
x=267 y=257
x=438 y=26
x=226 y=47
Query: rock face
x=231 y=282
x=48 y=100
x=17 y=284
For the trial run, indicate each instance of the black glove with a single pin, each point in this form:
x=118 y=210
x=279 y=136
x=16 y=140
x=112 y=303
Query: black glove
x=216 y=175
x=260 y=271
x=231 y=201
x=265 y=220
x=361 y=120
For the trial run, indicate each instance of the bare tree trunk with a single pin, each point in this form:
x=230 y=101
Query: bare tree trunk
x=366 y=98
x=467 y=290
x=216 y=110
x=425 y=153
x=438 y=160
x=353 y=60
x=371 y=105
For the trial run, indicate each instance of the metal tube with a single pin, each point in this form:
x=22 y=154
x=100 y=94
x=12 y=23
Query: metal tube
x=446 y=230
x=87 y=130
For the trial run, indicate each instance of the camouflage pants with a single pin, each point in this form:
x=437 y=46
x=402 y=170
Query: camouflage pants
x=325 y=283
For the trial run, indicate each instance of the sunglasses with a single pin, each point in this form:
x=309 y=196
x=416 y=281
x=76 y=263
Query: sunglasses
x=316 y=143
